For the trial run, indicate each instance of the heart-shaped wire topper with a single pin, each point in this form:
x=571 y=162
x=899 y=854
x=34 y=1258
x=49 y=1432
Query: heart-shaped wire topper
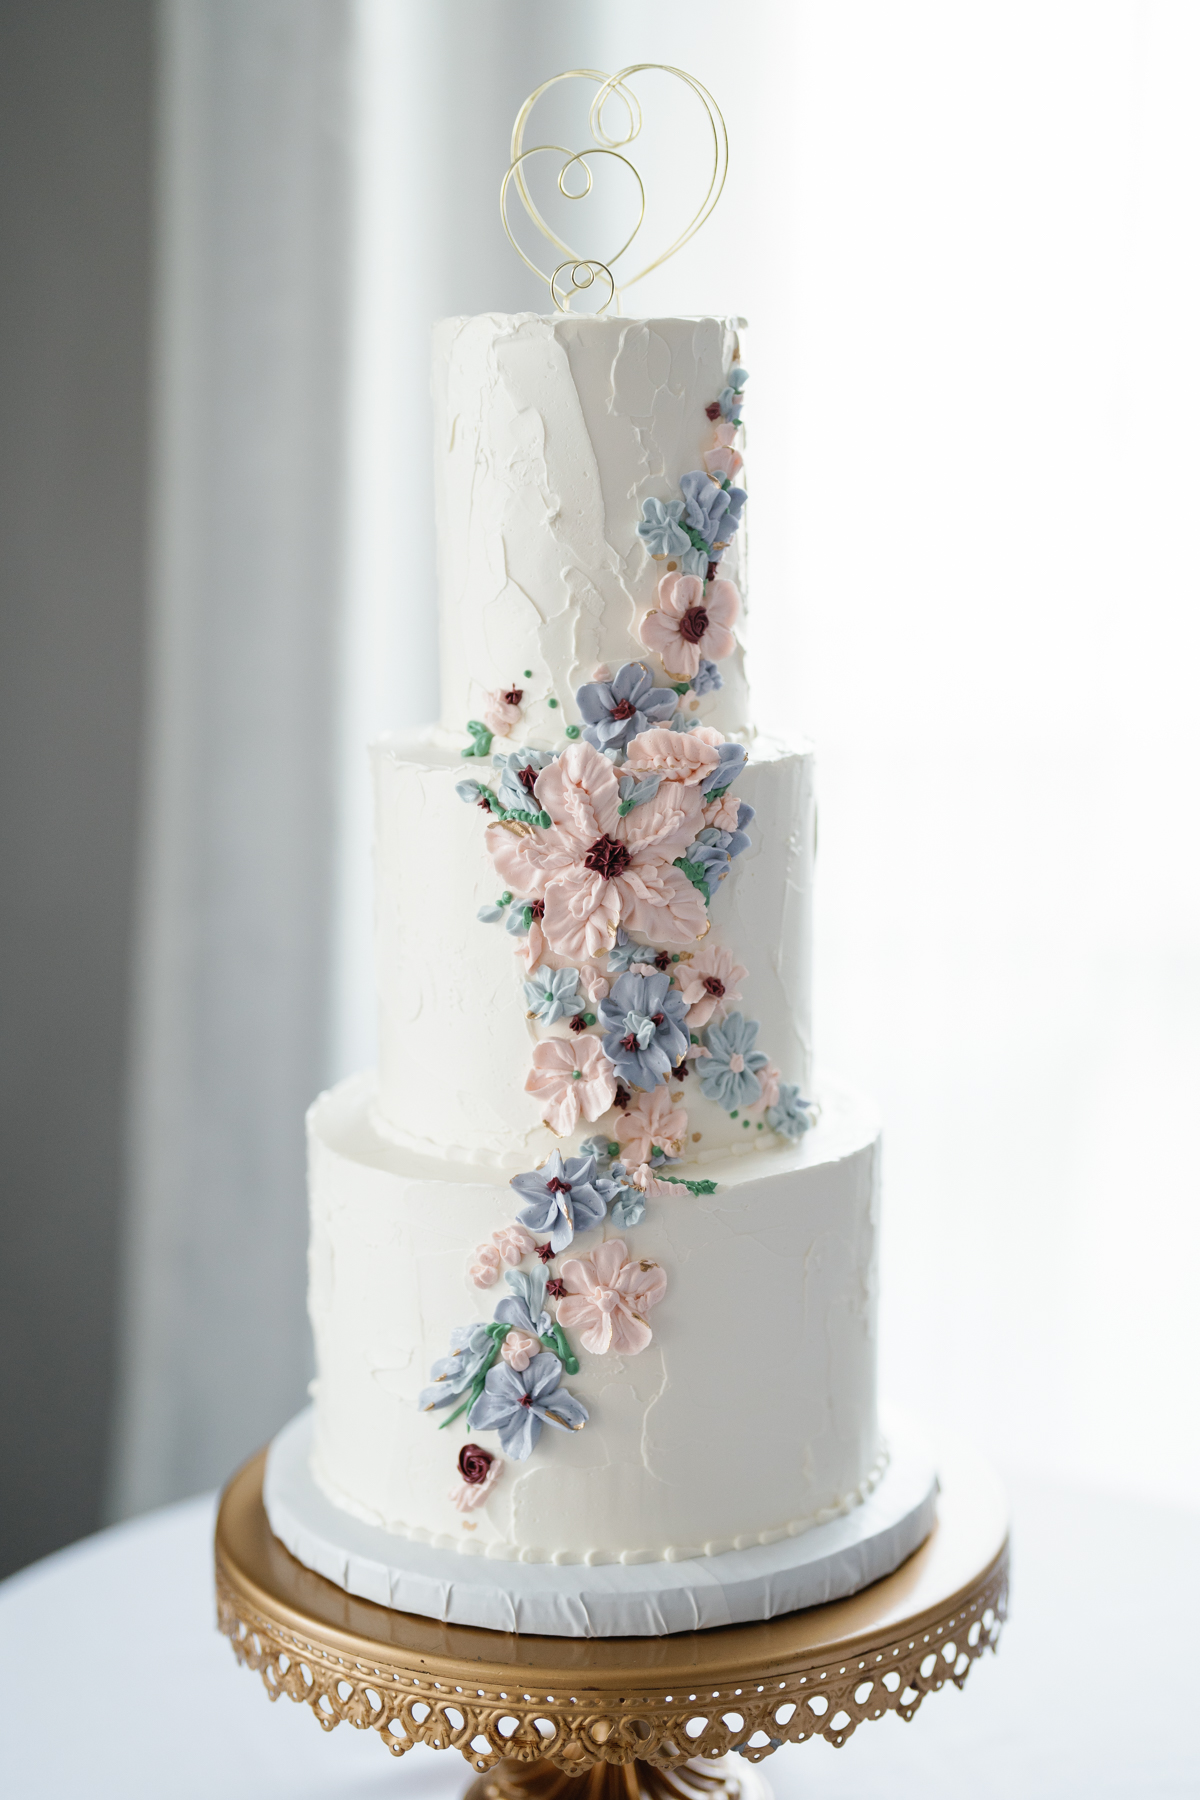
x=576 y=273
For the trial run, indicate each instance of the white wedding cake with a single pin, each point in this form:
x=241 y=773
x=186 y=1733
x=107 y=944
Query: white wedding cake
x=594 y=1259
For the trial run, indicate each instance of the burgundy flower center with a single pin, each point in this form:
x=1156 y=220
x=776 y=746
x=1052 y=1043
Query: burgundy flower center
x=622 y=1097
x=526 y=1400
x=657 y=1018
x=630 y=1043
x=473 y=1463
x=712 y=572
x=514 y=696
x=555 y=1186
x=537 y=909
x=693 y=624
x=681 y=1071
x=527 y=776
x=544 y=1252
x=624 y=709
x=577 y=1022
x=662 y=961
x=556 y=1288
x=714 y=987
x=607 y=857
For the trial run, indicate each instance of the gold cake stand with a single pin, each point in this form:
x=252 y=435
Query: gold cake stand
x=541 y=1718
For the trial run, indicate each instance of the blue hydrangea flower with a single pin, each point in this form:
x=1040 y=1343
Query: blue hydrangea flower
x=710 y=854
x=470 y=1347
x=624 y=953
x=644 y=1031
x=513 y=793
x=660 y=529
x=616 y=711
x=790 y=1116
x=714 y=512
x=628 y=1204
x=517 y=1402
x=603 y=1149
x=729 y=1073
x=730 y=398
x=552 y=994
x=708 y=678
x=562 y=1198
x=731 y=760
x=525 y=1307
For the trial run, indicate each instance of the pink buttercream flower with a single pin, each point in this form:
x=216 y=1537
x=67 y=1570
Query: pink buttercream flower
x=519 y=1349
x=502 y=710
x=507 y=1246
x=723 y=460
x=650 y=1120
x=470 y=1494
x=768 y=1080
x=593 y=985
x=595 y=870
x=709 y=983
x=722 y=814
x=683 y=758
x=643 y=1177
x=607 y=1296
x=690 y=622
x=485 y=1270
x=571 y=1076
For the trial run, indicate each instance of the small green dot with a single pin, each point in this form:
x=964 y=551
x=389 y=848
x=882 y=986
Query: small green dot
x=733 y=1114
x=745 y=1124
x=529 y=674
x=589 y=1018
x=675 y=958
x=760 y=1124
x=576 y=1074
x=553 y=701
x=504 y=898
x=614 y=1149
x=572 y=731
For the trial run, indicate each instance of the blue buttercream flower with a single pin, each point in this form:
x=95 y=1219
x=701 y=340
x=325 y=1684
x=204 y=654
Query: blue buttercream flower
x=473 y=793
x=617 y=710
x=552 y=994
x=562 y=1198
x=625 y=954
x=517 y=1402
x=730 y=398
x=525 y=1307
x=708 y=678
x=516 y=924
x=731 y=760
x=710 y=855
x=519 y=771
x=644 y=1031
x=714 y=512
x=470 y=1347
x=790 y=1116
x=660 y=529
x=729 y=1073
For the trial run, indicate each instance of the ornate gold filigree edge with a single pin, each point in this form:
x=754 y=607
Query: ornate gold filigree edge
x=490 y=1724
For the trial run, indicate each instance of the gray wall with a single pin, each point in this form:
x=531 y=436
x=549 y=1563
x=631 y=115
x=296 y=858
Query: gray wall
x=75 y=160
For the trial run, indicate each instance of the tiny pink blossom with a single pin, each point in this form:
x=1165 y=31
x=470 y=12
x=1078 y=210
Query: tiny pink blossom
x=644 y=1178
x=722 y=814
x=607 y=1298
x=499 y=714
x=768 y=1080
x=726 y=432
x=571 y=1076
x=485 y=1270
x=679 y=756
x=737 y=1062
x=710 y=983
x=691 y=621
x=593 y=869
x=513 y=1242
x=519 y=1349
x=470 y=1494
x=647 y=1121
x=722 y=461
x=595 y=985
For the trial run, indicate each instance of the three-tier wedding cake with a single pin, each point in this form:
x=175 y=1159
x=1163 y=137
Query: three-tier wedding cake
x=593 y=1256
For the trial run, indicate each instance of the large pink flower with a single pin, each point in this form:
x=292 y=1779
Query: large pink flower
x=607 y=1296
x=650 y=1120
x=680 y=757
x=594 y=869
x=690 y=622
x=711 y=981
x=571 y=1076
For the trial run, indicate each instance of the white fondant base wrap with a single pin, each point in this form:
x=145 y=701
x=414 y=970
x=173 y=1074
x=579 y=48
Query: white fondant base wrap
x=644 y=1600
x=749 y=1417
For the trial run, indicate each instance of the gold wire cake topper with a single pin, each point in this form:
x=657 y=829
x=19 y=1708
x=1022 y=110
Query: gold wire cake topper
x=576 y=273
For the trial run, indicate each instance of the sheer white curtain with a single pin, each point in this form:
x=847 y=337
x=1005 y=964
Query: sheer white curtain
x=960 y=235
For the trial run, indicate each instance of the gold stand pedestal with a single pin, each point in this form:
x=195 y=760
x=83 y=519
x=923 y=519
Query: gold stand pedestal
x=542 y=1718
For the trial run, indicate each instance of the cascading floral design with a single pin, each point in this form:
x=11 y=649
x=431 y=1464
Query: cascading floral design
x=611 y=850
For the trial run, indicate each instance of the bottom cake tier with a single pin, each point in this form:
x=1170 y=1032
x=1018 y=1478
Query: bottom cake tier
x=748 y=1417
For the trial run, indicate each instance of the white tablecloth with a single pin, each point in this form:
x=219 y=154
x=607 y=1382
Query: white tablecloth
x=116 y=1686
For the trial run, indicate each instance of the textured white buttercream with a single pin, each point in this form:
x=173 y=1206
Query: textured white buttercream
x=750 y=1416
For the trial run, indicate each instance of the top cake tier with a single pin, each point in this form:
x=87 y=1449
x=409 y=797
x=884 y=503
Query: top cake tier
x=551 y=433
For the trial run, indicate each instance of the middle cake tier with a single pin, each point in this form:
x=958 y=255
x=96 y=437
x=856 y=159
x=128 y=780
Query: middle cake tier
x=457 y=1031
